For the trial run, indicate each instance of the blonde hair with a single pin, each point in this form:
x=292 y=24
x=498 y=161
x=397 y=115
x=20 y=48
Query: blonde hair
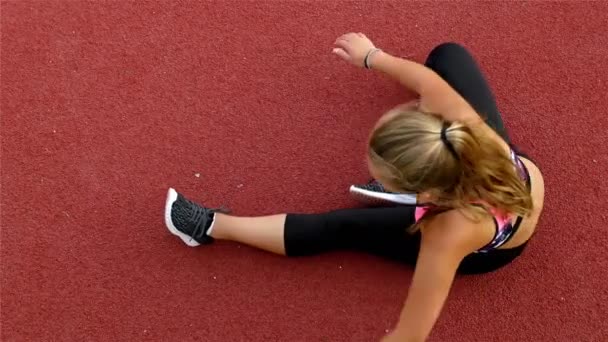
x=411 y=156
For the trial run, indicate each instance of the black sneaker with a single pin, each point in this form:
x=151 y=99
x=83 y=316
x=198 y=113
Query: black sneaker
x=374 y=193
x=188 y=220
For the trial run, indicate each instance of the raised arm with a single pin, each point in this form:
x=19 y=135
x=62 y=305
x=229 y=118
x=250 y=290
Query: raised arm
x=436 y=95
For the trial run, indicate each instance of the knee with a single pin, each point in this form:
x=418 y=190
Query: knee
x=447 y=54
x=448 y=48
x=307 y=234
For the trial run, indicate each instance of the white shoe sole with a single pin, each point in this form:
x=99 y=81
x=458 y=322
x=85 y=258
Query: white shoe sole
x=171 y=198
x=367 y=196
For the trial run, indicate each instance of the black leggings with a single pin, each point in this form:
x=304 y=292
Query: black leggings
x=382 y=231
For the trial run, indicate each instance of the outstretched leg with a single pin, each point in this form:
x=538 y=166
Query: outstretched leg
x=381 y=231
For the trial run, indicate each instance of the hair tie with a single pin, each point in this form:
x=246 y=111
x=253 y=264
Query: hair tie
x=446 y=141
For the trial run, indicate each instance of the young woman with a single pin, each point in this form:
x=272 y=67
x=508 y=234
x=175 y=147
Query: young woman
x=478 y=200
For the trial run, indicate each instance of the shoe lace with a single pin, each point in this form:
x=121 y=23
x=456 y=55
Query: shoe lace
x=374 y=185
x=199 y=217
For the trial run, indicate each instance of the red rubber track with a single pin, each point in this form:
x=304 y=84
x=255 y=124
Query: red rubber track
x=240 y=103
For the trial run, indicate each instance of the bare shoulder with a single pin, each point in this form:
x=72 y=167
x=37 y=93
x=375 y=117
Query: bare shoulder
x=457 y=230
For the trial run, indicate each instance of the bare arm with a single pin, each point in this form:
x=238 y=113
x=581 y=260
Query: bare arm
x=436 y=95
x=445 y=242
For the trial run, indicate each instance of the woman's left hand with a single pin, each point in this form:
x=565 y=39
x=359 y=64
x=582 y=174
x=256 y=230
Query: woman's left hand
x=353 y=47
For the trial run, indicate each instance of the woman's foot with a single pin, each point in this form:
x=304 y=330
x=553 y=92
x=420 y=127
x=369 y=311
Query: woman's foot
x=188 y=220
x=374 y=193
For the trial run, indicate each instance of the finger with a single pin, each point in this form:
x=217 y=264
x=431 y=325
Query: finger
x=362 y=35
x=343 y=44
x=343 y=37
x=341 y=53
x=351 y=35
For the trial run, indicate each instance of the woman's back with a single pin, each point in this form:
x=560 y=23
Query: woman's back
x=528 y=224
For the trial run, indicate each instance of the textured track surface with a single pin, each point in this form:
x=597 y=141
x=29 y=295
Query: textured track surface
x=106 y=104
